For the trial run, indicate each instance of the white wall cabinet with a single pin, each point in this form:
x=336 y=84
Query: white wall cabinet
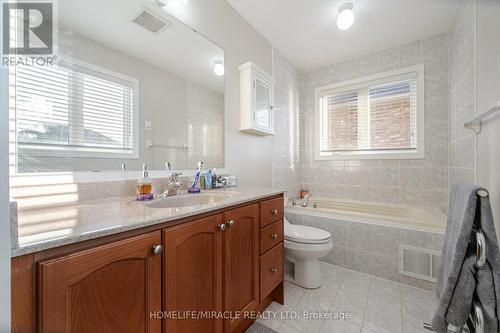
x=256 y=100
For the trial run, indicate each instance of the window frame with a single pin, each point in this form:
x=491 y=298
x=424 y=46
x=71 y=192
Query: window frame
x=86 y=151
x=364 y=82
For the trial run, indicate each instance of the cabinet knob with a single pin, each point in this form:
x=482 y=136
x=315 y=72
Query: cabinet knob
x=274 y=236
x=230 y=223
x=274 y=211
x=274 y=270
x=157 y=249
x=222 y=227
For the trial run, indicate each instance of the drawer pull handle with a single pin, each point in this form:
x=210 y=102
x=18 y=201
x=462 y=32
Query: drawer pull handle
x=230 y=223
x=222 y=227
x=274 y=236
x=157 y=249
x=274 y=211
x=274 y=270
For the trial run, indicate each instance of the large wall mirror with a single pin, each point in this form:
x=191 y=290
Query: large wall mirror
x=131 y=85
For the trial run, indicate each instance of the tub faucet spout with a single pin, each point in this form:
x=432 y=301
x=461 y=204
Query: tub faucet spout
x=306 y=200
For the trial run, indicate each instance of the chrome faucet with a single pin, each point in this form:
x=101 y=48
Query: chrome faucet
x=173 y=186
x=306 y=200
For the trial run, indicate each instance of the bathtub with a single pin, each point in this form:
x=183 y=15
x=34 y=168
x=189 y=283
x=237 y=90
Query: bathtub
x=387 y=241
x=420 y=219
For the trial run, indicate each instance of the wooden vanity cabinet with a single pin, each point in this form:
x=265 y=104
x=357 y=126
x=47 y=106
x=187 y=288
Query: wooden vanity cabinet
x=151 y=280
x=212 y=264
x=193 y=275
x=110 y=288
x=241 y=263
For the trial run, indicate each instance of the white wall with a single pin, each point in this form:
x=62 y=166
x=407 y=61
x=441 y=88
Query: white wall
x=488 y=95
x=462 y=96
x=248 y=157
x=4 y=204
x=288 y=125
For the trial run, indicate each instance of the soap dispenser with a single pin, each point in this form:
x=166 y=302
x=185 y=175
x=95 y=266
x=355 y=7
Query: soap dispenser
x=144 y=186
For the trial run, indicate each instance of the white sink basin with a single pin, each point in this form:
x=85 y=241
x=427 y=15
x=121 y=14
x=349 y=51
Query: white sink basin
x=188 y=200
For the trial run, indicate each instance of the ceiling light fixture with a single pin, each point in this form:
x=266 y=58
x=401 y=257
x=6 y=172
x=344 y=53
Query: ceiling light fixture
x=346 y=16
x=219 y=67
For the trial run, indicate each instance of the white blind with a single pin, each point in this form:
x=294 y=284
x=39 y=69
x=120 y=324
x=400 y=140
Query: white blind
x=74 y=107
x=376 y=116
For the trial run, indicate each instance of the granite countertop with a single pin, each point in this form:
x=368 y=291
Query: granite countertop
x=48 y=227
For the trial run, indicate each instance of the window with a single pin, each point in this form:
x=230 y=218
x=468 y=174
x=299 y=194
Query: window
x=74 y=109
x=380 y=116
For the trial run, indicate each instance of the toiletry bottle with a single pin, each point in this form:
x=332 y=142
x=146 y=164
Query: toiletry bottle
x=202 y=181
x=208 y=179
x=195 y=187
x=144 y=186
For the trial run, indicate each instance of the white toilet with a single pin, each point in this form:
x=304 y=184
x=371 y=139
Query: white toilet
x=303 y=247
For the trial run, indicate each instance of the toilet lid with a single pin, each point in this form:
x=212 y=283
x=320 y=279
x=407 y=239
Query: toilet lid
x=305 y=234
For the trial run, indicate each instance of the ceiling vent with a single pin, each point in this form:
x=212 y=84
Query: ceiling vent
x=150 y=20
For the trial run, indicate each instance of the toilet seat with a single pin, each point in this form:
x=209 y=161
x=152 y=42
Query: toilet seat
x=306 y=235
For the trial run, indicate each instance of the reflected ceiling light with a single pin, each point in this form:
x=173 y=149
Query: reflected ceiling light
x=159 y=3
x=219 y=67
x=346 y=16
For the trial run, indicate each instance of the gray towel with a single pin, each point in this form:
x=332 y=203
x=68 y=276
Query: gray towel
x=458 y=279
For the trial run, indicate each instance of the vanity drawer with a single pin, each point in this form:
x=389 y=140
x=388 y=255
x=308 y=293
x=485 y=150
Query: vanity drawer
x=271 y=211
x=271 y=236
x=271 y=270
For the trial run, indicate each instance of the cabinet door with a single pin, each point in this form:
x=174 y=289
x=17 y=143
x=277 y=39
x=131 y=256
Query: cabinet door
x=241 y=263
x=111 y=288
x=193 y=275
x=263 y=104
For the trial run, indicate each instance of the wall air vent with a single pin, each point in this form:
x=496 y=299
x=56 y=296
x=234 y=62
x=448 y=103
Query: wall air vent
x=419 y=263
x=150 y=20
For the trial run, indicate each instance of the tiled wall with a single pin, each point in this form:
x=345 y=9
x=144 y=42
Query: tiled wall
x=287 y=110
x=370 y=248
x=421 y=183
x=205 y=110
x=462 y=95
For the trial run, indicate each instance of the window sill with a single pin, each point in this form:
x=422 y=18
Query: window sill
x=371 y=155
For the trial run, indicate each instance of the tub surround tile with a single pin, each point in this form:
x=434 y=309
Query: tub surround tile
x=338 y=256
x=370 y=248
x=359 y=260
x=418 y=239
x=369 y=180
x=385 y=241
x=358 y=236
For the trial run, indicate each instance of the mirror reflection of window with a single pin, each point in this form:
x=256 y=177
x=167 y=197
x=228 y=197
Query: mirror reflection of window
x=138 y=87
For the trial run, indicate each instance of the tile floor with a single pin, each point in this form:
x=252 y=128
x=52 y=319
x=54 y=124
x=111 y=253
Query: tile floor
x=375 y=305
